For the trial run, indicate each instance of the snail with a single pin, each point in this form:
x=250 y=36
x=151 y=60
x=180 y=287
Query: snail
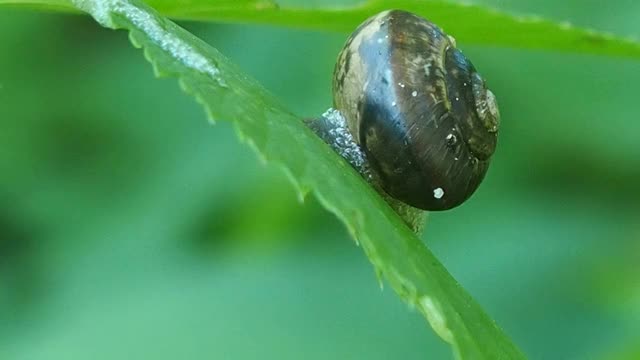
x=417 y=109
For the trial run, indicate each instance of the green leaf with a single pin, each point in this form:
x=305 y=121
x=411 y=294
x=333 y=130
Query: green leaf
x=280 y=139
x=471 y=24
x=630 y=352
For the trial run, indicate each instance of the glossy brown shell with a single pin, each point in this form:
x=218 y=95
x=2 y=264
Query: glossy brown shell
x=418 y=109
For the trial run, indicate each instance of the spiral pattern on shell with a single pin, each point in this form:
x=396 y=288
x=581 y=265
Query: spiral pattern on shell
x=418 y=108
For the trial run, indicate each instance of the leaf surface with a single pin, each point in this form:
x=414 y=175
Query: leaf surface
x=281 y=139
x=470 y=24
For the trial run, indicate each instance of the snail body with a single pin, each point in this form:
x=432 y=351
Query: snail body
x=417 y=108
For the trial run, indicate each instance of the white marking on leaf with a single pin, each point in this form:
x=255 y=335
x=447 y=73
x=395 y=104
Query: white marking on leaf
x=144 y=21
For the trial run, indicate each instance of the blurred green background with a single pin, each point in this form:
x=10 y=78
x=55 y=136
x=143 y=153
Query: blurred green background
x=132 y=228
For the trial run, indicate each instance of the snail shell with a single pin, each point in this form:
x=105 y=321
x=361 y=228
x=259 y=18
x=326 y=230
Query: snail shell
x=418 y=108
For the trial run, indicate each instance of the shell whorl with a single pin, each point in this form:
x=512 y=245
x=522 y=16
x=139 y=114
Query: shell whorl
x=418 y=108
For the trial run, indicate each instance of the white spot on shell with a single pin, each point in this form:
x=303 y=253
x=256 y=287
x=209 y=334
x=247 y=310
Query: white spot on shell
x=393 y=103
x=457 y=98
x=414 y=93
x=438 y=193
x=401 y=85
x=451 y=140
